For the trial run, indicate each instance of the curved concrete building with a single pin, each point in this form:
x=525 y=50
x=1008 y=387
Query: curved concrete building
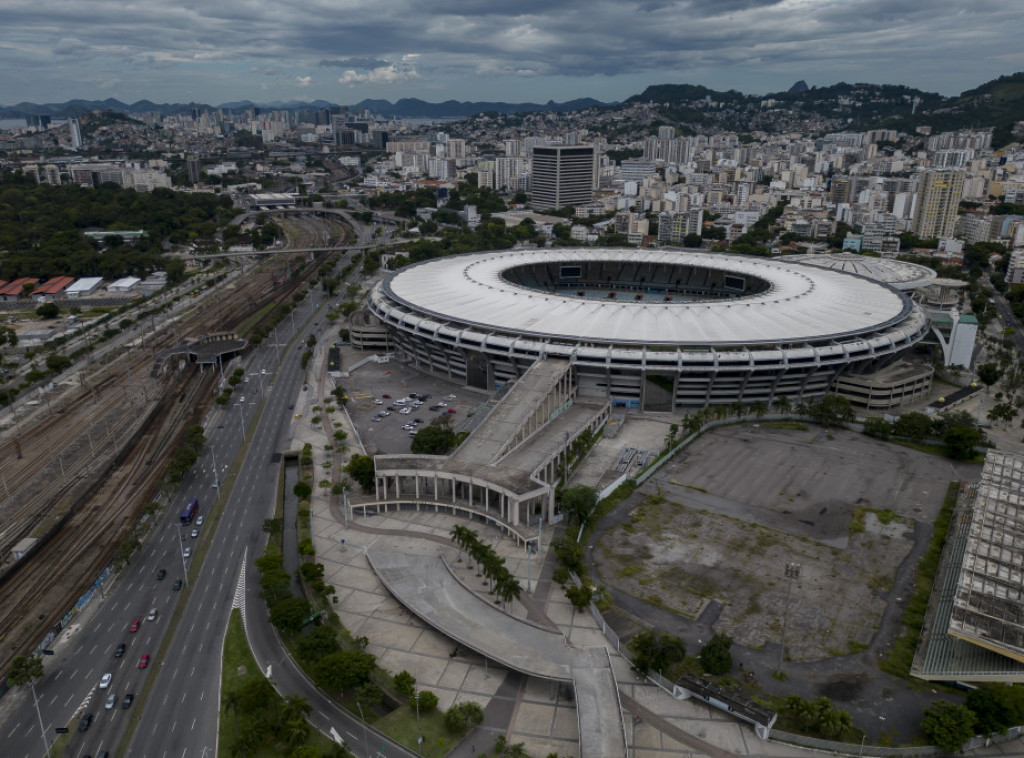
x=655 y=329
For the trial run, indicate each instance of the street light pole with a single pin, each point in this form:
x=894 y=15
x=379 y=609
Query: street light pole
x=241 y=421
x=419 y=732
x=181 y=552
x=39 y=713
x=216 y=474
x=792 y=571
x=366 y=742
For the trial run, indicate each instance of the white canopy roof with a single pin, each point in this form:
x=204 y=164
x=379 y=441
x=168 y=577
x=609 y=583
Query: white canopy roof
x=802 y=303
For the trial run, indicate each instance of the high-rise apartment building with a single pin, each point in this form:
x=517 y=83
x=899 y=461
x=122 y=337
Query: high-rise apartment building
x=937 y=204
x=194 y=168
x=563 y=175
x=75 y=128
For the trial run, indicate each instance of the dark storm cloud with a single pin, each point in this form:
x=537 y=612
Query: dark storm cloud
x=354 y=63
x=452 y=46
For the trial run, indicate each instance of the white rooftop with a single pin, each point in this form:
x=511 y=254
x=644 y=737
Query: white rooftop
x=802 y=303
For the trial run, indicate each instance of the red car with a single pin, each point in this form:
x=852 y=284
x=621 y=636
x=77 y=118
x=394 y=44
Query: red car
x=135 y=626
x=143 y=661
x=386 y=397
x=451 y=411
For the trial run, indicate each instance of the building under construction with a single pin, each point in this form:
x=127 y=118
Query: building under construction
x=974 y=629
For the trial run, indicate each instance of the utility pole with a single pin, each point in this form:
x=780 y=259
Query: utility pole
x=792 y=571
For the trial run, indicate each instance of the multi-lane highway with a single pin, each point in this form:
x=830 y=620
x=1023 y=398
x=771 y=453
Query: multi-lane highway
x=178 y=715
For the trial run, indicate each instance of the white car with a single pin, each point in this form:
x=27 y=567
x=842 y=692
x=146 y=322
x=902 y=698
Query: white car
x=199 y=521
x=442 y=404
x=385 y=413
x=378 y=401
x=405 y=411
x=105 y=681
x=111 y=701
x=186 y=553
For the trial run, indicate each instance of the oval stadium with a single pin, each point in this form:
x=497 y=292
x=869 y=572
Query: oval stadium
x=651 y=329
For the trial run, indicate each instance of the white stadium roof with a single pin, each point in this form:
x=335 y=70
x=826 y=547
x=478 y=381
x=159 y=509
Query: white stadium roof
x=901 y=274
x=803 y=303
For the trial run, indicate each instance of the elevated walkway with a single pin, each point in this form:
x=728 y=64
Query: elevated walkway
x=425 y=586
x=205 y=351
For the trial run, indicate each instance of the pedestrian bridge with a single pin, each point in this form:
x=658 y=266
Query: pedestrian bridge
x=425 y=585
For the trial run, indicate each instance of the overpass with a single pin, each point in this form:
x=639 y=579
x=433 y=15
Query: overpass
x=425 y=585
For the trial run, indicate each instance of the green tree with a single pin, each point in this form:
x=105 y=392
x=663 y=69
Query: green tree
x=960 y=441
x=692 y=240
x=461 y=717
x=878 y=428
x=428 y=701
x=948 y=725
x=25 y=669
x=405 y=684
x=655 y=653
x=579 y=502
x=434 y=440
x=913 y=426
x=345 y=669
x=831 y=410
x=47 y=310
x=290 y=613
x=715 y=657
x=316 y=643
x=997 y=706
x=361 y=469
x=579 y=596
x=989 y=373
x=302 y=490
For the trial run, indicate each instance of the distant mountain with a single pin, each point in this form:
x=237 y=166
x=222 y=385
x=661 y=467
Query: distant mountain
x=800 y=86
x=404 y=108
x=415 y=108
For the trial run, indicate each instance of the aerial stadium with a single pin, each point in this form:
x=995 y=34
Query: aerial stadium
x=651 y=329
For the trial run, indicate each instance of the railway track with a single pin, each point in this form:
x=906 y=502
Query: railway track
x=80 y=502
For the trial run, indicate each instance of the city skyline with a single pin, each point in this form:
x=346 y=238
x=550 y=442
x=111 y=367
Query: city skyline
x=469 y=50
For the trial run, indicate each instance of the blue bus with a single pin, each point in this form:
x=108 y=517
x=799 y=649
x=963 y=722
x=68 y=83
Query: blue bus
x=190 y=511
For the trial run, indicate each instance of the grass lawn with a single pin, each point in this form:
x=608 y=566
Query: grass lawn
x=400 y=724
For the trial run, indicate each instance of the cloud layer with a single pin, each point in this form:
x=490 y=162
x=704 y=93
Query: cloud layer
x=344 y=50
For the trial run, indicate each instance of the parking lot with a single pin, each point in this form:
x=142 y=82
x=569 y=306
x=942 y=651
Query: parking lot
x=377 y=388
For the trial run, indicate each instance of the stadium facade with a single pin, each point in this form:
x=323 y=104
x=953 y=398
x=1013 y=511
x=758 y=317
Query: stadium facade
x=651 y=329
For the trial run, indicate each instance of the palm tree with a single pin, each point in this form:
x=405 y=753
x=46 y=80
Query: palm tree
x=460 y=536
x=760 y=408
x=478 y=552
x=295 y=708
x=782 y=404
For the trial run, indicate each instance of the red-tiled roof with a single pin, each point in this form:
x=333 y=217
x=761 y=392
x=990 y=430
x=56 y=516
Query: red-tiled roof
x=14 y=288
x=53 y=286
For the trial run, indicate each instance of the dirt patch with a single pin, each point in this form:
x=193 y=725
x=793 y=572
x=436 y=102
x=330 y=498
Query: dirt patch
x=680 y=558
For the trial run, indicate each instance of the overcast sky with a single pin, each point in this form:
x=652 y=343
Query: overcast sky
x=217 y=51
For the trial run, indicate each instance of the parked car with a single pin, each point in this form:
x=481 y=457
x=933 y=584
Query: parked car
x=386 y=396
x=451 y=411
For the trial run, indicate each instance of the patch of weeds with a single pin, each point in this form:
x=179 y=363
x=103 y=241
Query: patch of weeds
x=780 y=675
x=695 y=487
x=856 y=646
